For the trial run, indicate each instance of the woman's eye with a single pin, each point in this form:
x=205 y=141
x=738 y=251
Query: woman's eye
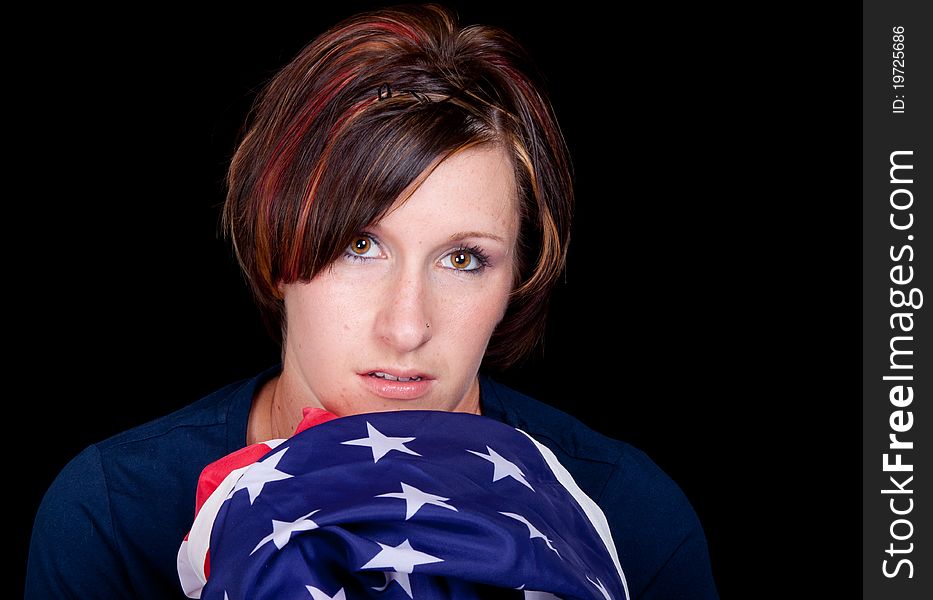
x=363 y=246
x=462 y=260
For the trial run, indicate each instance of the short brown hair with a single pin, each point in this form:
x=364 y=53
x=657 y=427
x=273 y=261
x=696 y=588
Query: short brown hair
x=359 y=116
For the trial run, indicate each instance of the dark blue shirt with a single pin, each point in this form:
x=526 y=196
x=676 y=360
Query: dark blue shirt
x=111 y=523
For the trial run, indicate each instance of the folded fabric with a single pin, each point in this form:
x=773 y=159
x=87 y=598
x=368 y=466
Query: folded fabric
x=397 y=505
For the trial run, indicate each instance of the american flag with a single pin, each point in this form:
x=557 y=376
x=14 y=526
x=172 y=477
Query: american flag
x=399 y=505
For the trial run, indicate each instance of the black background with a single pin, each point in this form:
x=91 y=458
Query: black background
x=710 y=310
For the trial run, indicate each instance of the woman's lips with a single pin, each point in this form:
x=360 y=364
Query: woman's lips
x=397 y=386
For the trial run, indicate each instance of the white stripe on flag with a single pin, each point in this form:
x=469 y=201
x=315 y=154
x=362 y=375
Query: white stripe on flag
x=193 y=551
x=592 y=510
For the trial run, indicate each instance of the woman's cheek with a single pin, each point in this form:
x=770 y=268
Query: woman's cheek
x=481 y=311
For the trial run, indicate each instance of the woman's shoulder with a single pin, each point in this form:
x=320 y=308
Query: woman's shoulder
x=661 y=543
x=544 y=422
x=226 y=406
x=213 y=425
x=107 y=496
x=180 y=436
x=608 y=466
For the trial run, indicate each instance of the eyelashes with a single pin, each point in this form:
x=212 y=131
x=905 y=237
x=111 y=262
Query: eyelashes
x=469 y=259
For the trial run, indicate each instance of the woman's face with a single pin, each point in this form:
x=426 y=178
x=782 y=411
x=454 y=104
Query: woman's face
x=402 y=320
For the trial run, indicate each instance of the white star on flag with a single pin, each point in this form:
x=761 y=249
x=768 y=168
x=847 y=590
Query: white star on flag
x=415 y=499
x=402 y=558
x=599 y=586
x=282 y=531
x=381 y=444
x=503 y=468
x=399 y=578
x=261 y=473
x=317 y=594
x=533 y=531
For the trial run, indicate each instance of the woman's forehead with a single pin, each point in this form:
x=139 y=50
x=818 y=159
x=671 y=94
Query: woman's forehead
x=473 y=191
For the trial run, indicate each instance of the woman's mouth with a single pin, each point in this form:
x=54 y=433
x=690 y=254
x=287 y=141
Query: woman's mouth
x=391 y=377
x=398 y=385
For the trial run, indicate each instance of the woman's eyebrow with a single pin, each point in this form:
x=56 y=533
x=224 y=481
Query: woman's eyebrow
x=476 y=234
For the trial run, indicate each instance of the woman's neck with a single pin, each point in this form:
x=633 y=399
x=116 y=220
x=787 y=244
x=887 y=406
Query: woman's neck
x=259 y=427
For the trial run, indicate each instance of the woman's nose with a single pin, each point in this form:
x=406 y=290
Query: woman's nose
x=404 y=321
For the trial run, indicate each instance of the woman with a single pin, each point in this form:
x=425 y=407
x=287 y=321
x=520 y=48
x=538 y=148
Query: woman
x=400 y=205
